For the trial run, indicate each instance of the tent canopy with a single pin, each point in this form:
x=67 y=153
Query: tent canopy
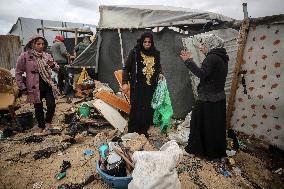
x=152 y=16
x=120 y=27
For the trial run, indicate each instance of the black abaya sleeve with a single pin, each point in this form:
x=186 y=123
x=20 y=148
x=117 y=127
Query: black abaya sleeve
x=206 y=68
x=127 y=67
x=159 y=66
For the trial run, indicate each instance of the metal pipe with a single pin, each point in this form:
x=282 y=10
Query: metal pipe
x=245 y=10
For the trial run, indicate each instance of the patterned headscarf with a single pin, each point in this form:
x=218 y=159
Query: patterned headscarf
x=44 y=69
x=210 y=41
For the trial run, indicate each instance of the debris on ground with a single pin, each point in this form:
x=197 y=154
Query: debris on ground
x=38 y=158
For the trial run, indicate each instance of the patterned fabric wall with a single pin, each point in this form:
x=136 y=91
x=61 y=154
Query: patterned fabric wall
x=260 y=112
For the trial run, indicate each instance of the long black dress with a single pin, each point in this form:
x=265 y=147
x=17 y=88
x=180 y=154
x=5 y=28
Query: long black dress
x=208 y=121
x=142 y=71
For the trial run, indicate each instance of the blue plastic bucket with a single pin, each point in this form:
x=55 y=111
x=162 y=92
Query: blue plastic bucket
x=116 y=182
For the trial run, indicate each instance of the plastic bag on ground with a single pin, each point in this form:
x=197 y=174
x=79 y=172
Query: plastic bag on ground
x=183 y=130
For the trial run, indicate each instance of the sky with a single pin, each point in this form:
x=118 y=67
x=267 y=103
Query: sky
x=87 y=11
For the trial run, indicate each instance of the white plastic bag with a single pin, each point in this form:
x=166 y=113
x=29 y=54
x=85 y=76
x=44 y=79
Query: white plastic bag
x=156 y=169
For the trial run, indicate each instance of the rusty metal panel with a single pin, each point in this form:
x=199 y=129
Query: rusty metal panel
x=10 y=49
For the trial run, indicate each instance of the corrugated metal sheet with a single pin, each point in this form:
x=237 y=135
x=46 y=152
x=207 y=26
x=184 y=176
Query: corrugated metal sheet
x=26 y=27
x=10 y=49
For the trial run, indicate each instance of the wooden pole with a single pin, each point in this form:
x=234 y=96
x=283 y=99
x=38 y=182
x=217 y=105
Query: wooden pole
x=120 y=152
x=76 y=37
x=239 y=60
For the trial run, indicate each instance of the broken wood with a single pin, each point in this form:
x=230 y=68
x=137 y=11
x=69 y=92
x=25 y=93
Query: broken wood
x=120 y=152
x=110 y=114
x=76 y=101
x=114 y=100
x=239 y=60
x=96 y=122
x=118 y=76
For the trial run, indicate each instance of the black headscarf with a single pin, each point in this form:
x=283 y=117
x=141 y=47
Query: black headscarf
x=139 y=46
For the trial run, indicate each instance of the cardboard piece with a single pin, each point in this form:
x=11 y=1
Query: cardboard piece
x=110 y=114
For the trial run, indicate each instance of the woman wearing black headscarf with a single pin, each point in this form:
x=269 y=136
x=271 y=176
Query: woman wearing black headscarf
x=142 y=69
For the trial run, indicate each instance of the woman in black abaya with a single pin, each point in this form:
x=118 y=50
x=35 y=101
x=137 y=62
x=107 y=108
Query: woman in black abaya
x=142 y=69
x=208 y=122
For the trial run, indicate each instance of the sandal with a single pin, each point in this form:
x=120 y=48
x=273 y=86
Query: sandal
x=45 y=132
x=49 y=126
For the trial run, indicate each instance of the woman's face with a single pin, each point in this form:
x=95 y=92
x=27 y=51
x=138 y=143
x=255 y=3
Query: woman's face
x=147 y=43
x=39 y=45
x=203 y=49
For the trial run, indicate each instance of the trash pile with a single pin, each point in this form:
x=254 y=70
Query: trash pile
x=84 y=85
x=130 y=161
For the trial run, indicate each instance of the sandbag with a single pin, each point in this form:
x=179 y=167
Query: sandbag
x=156 y=169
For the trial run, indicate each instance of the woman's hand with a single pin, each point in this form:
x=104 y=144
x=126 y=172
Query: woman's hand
x=185 y=55
x=125 y=88
x=161 y=77
x=50 y=62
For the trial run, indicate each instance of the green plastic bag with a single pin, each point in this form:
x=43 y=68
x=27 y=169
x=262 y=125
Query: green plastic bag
x=161 y=103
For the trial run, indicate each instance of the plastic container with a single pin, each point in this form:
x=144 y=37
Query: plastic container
x=25 y=120
x=84 y=110
x=116 y=182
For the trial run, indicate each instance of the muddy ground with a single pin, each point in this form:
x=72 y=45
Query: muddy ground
x=254 y=166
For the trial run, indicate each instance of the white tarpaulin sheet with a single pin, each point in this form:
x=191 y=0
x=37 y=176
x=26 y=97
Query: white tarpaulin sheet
x=260 y=112
x=151 y=16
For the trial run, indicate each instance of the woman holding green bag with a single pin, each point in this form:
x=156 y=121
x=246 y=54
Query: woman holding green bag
x=143 y=70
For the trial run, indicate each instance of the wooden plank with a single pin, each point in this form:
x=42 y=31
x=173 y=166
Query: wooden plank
x=239 y=60
x=114 y=100
x=118 y=76
x=95 y=122
x=110 y=114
